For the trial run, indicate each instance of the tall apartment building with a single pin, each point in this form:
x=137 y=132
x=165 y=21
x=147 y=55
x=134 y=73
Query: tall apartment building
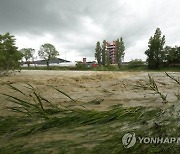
x=111 y=51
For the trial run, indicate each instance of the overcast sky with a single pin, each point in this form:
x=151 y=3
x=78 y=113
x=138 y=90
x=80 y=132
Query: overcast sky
x=74 y=26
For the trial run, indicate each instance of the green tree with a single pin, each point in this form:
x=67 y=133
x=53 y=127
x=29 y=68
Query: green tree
x=155 y=53
x=104 y=53
x=48 y=51
x=172 y=55
x=98 y=53
x=9 y=55
x=177 y=53
x=120 y=48
x=27 y=54
x=108 y=62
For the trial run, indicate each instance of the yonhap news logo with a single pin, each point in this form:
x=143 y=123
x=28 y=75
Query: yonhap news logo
x=130 y=139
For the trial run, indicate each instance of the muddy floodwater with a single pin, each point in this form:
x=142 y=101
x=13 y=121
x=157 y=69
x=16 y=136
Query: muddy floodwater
x=111 y=88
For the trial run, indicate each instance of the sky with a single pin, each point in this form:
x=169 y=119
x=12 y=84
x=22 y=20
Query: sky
x=74 y=26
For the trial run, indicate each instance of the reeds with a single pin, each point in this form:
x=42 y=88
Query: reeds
x=173 y=78
x=178 y=82
x=33 y=104
x=152 y=84
x=106 y=127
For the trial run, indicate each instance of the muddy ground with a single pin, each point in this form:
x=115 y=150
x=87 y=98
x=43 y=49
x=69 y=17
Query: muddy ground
x=105 y=88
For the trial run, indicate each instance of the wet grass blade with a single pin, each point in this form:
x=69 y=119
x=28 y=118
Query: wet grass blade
x=32 y=109
x=19 y=101
x=16 y=89
x=29 y=86
x=39 y=101
x=173 y=78
x=65 y=94
x=152 y=84
x=47 y=101
x=17 y=109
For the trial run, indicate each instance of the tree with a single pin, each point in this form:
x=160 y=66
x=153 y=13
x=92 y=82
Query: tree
x=98 y=53
x=27 y=54
x=177 y=53
x=9 y=55
x=104 y=53
x=155 y=52
x=48 y=51
x=120 y=48
x=107 y=58
x=172 y=55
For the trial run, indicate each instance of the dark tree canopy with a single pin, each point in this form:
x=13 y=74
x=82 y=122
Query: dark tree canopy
x=172 y=55
x=104 y=53
x=155 y=53
x=9 y=55
x=120 y=47
x=98 y=53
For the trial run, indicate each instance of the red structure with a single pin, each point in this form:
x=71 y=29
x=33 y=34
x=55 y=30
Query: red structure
x=94 y=65
x=89 y=64
x=111 y=51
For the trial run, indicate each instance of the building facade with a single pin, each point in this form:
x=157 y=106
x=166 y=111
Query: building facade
x=111 y=51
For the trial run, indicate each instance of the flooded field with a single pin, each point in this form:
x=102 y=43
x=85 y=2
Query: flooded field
x=111 y=87
x=89 y=112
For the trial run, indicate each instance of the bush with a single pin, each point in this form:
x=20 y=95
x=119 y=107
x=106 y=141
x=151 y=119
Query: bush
x=80 y=66
x=135 y=63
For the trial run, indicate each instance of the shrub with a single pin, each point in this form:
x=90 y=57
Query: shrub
x=135 y=63
x=80 y=65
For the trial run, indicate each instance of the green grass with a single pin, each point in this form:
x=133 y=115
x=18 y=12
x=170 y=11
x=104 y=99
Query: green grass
x=99 y=129
x=100 y=132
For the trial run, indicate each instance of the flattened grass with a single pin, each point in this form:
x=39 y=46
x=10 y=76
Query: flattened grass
x=81 y=130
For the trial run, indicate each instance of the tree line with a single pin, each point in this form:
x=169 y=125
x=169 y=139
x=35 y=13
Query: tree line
x=10 y=56
x=158 y=55
x=47 y=52
x=103 y=54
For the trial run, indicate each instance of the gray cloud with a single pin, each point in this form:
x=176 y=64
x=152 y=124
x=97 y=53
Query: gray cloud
x=76 y=26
